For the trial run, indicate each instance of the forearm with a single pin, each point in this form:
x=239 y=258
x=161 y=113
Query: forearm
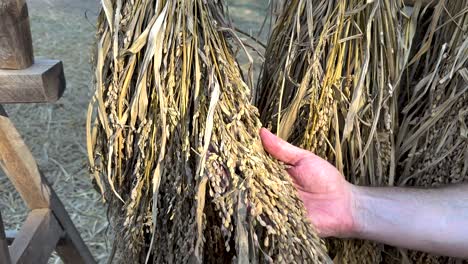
x=433 y=220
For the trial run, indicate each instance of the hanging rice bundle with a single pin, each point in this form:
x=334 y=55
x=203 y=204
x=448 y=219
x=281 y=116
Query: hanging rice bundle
x=174 y=147
x=376 y=88
x=331 y=90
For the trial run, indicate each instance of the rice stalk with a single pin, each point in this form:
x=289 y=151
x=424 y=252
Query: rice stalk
x=174 y=147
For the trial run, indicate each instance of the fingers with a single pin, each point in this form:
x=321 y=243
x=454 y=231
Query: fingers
x=281 y=149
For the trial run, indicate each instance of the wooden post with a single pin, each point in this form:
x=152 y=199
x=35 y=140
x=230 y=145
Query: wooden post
x=4 y=254
x=21 y=168
x=16 y=51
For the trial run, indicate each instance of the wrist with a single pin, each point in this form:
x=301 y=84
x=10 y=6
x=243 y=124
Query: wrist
x=357 y=211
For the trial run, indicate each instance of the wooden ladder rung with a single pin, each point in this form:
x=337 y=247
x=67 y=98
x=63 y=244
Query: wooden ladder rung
x=4 y=254
x=37 y=238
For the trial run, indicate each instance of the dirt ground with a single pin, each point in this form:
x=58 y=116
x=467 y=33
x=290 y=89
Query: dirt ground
x=64 y=29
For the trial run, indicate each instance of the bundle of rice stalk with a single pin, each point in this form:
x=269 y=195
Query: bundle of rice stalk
x=335 y=81
x=332 y=87
x=331 y=90
x=174 y=147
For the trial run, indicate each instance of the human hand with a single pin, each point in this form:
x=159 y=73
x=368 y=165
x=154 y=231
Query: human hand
x=327 y=196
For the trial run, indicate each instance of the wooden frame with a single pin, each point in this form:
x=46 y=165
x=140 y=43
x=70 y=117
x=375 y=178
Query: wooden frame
x=48 y=226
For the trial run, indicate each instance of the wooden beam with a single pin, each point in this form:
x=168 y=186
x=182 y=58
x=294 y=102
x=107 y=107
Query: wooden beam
x=21 y=168
x=16 y=51
x=37 y=238
x=43 y=82
x=4 y=254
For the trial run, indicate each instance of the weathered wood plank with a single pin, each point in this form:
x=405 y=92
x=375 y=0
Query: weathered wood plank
x=4 y=254
x=37 y=238
x=21 y=168
x=16 y=51
x=43 y=82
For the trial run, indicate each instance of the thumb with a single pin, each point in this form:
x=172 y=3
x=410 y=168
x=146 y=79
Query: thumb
x=281 y=149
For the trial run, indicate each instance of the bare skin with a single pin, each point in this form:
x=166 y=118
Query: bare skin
x=434 y=220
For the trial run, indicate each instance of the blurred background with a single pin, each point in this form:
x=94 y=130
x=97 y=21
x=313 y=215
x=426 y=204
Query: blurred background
x=65 y=30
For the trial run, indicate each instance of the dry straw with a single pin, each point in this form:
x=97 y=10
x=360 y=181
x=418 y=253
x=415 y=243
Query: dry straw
x=377 y=88
x=174 y=147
